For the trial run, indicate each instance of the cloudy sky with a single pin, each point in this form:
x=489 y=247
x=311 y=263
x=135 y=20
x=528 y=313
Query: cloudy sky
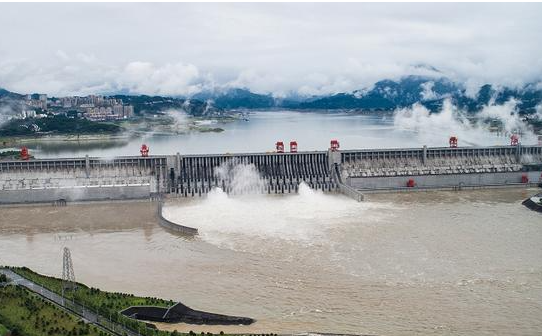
x=181 y=48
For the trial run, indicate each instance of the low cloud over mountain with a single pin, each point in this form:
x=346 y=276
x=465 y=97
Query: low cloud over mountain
x=387 y=94
x=277 y=49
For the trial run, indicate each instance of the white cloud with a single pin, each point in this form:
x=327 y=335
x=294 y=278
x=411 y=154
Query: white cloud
x=85 y=74
x=170 y=79
x=428 y=93
x=538 y=114
x=319 y=48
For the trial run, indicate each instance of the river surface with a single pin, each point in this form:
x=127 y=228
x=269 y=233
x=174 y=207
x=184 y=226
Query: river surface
x=443 y=263
x=311 y=130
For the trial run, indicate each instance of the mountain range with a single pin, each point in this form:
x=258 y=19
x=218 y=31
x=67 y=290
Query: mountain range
x=384 y=95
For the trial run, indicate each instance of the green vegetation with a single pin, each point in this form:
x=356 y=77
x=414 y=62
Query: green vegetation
x=105 y=303
x=3 y=330
x=25 y=313
x=57 y=124
x=11 y=155
x=157 y=105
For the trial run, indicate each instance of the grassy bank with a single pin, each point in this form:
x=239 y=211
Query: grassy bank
x=25 y=313
x=107 y=304
x=3 y=330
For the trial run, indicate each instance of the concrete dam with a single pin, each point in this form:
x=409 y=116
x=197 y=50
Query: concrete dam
x=352 y=172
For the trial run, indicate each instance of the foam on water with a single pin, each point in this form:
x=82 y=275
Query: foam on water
x=303 y=217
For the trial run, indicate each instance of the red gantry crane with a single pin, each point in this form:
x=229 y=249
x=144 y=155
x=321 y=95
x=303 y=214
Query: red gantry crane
x=514 y=140
x=293 y=146
x=24 y=153
x=334 y=145
x=279 y=146
x=144 y=150
x=453 y=142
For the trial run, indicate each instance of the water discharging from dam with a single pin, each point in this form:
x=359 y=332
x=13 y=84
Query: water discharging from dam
x=221 y=217
x=304 y=217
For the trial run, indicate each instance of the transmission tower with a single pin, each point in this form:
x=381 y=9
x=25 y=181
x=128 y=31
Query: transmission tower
x=68 y=276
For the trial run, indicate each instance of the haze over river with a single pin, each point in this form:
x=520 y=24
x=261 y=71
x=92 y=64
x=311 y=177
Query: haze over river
x=311 y=130
x=445 y=263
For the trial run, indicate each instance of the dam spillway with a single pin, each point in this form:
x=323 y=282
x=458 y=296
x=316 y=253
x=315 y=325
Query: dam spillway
x=277 y=172
x=351 y=172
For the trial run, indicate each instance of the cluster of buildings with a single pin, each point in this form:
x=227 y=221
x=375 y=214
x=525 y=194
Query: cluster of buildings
x=103 y=113
x=93 y=107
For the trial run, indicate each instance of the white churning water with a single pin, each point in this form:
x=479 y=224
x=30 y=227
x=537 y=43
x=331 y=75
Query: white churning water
x=304 y=217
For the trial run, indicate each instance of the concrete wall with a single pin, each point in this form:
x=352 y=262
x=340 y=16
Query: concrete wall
x=442 y=181
x=81 y=179
x=74 y=194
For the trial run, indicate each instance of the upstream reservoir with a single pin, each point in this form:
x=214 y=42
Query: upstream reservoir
x=311 y=130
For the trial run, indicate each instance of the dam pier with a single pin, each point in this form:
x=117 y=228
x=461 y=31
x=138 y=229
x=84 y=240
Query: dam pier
x=351 y=172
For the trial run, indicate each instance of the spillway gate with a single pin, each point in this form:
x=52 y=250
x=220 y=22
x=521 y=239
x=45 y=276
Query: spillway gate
x=260 y=173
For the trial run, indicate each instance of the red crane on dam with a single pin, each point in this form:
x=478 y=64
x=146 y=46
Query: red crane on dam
x=453 y=141
x=514 y=140
x=334 y=145
x=144 y=150
x=24 y=153
x=293 y=146
x=279 y=146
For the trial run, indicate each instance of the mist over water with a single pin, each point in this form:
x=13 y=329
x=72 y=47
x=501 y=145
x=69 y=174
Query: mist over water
x=412 y=127
x=304 y=217
x=241 y=179
x=430 y=128
x=247 y=210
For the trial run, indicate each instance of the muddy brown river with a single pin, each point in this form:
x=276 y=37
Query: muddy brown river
x=443 y=263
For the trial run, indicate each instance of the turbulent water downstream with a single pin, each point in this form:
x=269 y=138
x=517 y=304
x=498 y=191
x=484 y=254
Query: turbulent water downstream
x=434 y=263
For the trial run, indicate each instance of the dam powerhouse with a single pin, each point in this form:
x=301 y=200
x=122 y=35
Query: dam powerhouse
x=351 y=172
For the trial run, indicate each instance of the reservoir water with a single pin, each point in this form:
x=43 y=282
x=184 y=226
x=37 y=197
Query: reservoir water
x=311 y=130
x=443 y=263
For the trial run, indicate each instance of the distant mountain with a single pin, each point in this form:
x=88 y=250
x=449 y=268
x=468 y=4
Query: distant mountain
x=388 y=95
x=238 y=98
x=158 y=104
x=10 y=103
x=528 y=98
x=5 y=94
x=430 y=92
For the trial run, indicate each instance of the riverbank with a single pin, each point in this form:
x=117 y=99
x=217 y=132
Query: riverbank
x=8 y=142
x=136 y=128
x=89 y=303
